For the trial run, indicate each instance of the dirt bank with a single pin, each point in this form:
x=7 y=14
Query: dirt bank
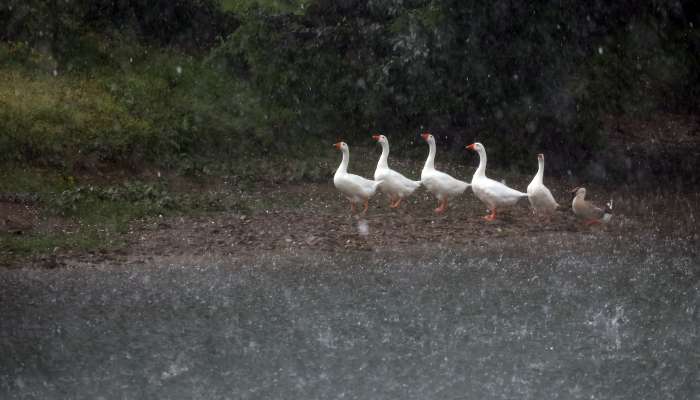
x=288 y=219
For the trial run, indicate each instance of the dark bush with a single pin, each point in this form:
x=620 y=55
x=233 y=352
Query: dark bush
x=521 y=77
x=60 y=26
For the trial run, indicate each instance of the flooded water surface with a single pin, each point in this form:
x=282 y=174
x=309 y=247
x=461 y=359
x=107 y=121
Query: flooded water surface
x=594 y=322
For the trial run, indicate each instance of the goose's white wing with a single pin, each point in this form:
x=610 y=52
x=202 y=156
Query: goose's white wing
x=355 y=186
x=541 y=198
x=496 y=194
x=395 y=183
x=442 y=184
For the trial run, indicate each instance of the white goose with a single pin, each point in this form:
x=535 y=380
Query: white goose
x=395 y=185
x=492 y=193
x=439 y=183
x=355 y=188
x=540 y=197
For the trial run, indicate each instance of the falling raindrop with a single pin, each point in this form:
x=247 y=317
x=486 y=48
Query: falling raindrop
x=362 y=227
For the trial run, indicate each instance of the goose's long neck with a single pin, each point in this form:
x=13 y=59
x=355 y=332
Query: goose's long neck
x=343 y=169
x=540 y=171
x=430 y=162
x=481 y=170
x=383 y=163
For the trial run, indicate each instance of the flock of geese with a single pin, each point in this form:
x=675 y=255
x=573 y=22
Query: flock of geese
x=494 y=194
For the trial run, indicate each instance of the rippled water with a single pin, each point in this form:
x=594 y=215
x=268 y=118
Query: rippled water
x=437 y=325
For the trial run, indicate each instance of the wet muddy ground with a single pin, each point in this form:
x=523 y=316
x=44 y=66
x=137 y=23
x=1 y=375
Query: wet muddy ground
x=314 y=218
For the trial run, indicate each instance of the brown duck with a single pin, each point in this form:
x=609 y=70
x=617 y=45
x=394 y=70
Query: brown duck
x=590 y=213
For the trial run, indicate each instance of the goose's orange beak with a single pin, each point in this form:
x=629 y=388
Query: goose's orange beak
x=337 y=145
x=375 y=137
x=425 y=136
x=471 y=147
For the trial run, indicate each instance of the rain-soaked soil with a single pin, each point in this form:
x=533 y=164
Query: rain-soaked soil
x=314 y=218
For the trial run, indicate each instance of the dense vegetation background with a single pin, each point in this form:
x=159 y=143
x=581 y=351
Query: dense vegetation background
x=185 y=83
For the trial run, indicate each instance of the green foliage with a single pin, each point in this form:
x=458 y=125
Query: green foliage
x=143 y=199
x=52 y=118
x=91 y=82
x=150 y=106
x=63 y=27
x=520 y=77
x=24 y=179
x=269 y=6
x=33 y=244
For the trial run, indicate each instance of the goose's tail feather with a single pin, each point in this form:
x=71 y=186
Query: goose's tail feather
x=608 y=213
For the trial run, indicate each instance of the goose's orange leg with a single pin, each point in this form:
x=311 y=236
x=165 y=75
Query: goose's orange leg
x=491 y=216
x=439 y=207
x=352 y=207
x=392 y=200
x=442 y=206
x=592 y=222
x=396 y=203
x=364 y=211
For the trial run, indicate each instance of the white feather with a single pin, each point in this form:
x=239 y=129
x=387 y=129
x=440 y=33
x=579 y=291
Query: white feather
x=439 y=183
x=492 y=193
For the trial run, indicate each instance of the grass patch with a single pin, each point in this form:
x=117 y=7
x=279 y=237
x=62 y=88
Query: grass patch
x=146 y=105
x=18 y=246
x=24 y=179
x=61 y=120
x=88 y=217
